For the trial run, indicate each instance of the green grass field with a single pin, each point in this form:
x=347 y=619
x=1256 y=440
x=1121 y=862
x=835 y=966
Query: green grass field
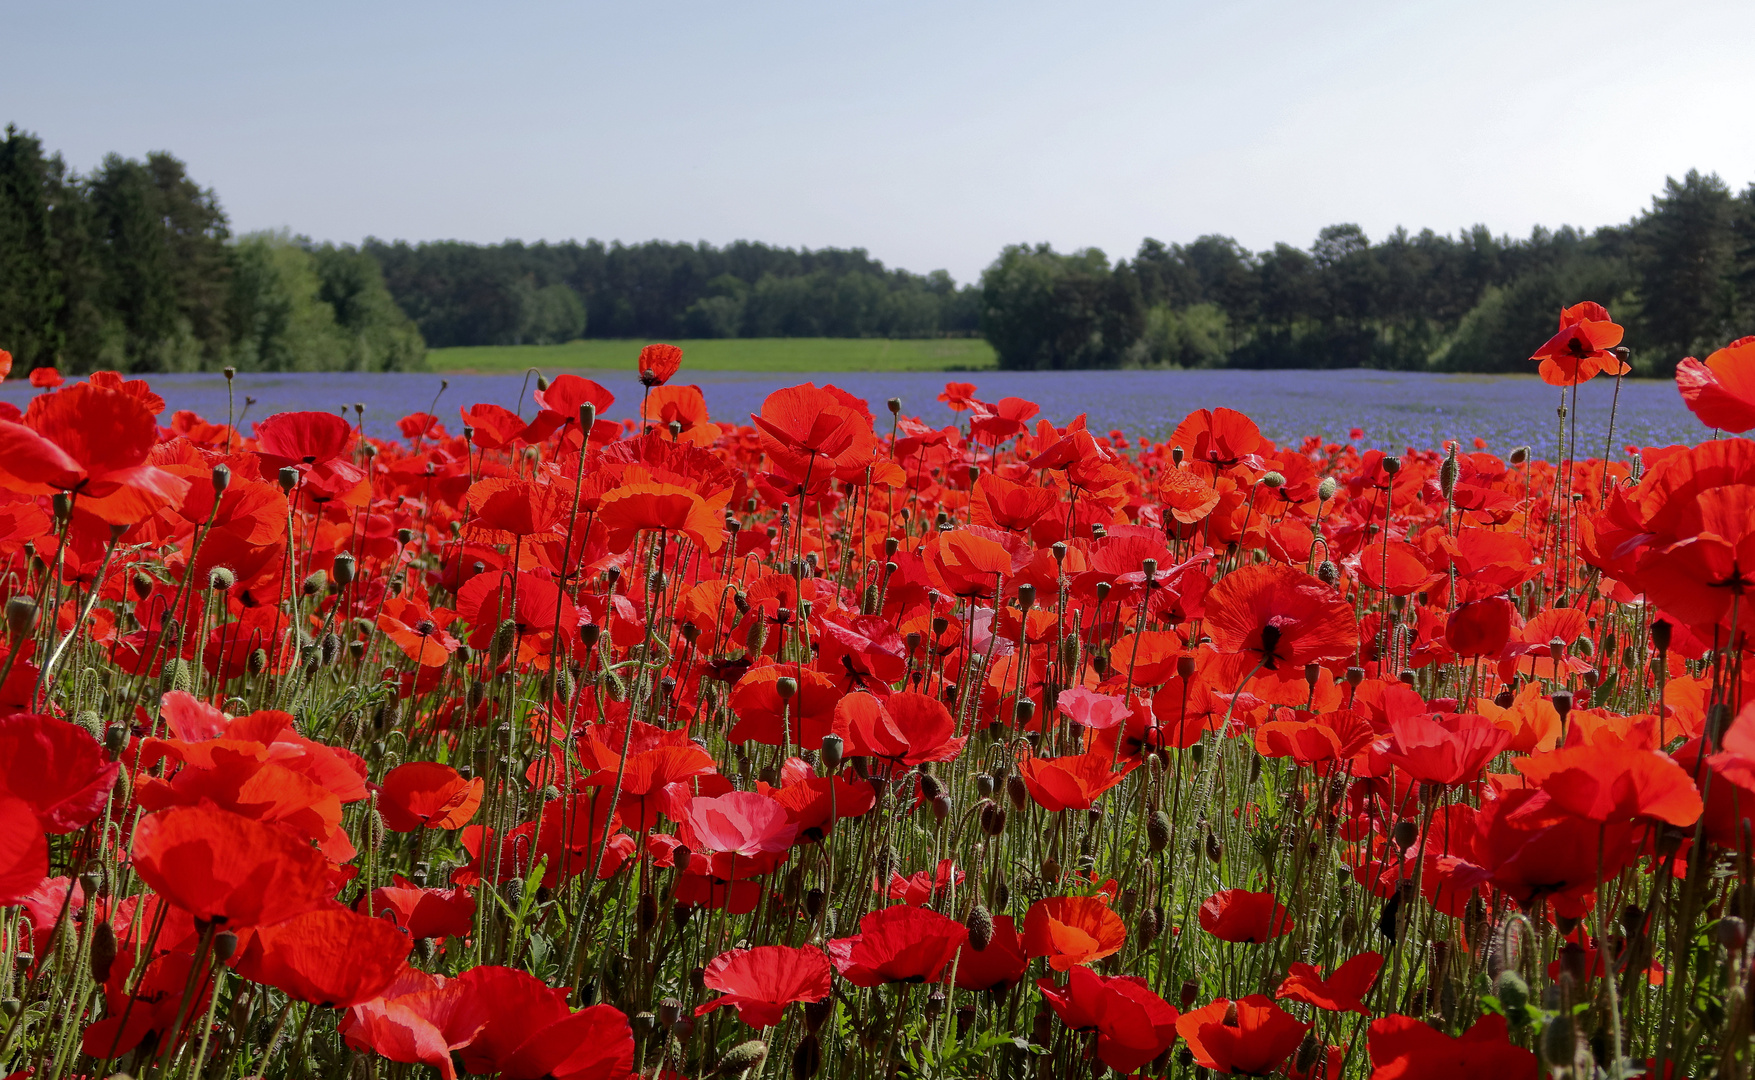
x=732 y=354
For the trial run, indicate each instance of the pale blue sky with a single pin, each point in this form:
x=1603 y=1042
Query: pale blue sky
x=930 y=134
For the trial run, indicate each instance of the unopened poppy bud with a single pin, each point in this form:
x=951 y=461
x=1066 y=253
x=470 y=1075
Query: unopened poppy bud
x=225 y=943
x=1158 y=830
x=1027 y=596
x=176 y=675
x=980 y=924
x=1017 y=791
x=1190 y=993
x=1328 y=573
x=116 y=739
x=313 y=583
x=1559 y=1043
x=1392 y=465
x=832 y=748
x=941 y=807
x=808 y=1058
x=257 y=662
x=1273 y=479
x=504 y=637
x=221 y=579
x=1660 y=634
x=992 y=820
x=1405 y=833
x=1562 y=701
x=1309 y=1052
x=344 y=569
x=1051 y=870
x=103 y=951
x=1513 y=993
x=21 y=615
x=1215 y=849
x=1326 y=490
x=1732 y=932
x=1519 y=455
x=1447 y=475
x=288 y=478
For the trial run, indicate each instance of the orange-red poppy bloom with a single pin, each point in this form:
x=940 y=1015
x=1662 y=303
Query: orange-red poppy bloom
x=1073 y=782
x=426 y=794
x=762 y=981
x=1721 y=391
x=668 y=508
x=906 y=729
x=92 y=443
x=1403 y=1048
x=898 y=944
x=1282 y=616
x=1072 y=930
x=658 y=363
x=1132 y=1024
x=55 y=767
x=1342 y=991
x=1610 y=783
x=1253 y=1036
x=224 y=867
x=331 y=956
x=1243 y=916
x=1579 y=351
x=24 y=850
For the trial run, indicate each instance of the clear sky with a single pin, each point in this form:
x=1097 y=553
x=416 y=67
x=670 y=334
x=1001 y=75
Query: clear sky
x=930 y=134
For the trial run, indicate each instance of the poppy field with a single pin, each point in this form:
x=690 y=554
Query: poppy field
x=824 y=742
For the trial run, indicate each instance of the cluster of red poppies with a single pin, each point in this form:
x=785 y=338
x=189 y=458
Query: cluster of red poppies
x=523 y=747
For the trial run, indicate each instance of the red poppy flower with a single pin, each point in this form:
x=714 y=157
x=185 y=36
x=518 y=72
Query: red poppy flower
x=1072 y=930
x=864 y=647
x=999 y=422
x=1243 y=916
x=531 y=1034
x=668 y=508
x=1318 y=742
x=1253 y=1036
x=1002 y=504
x=42 y=377
x=426 y=794
x=1283 y=616
x=898 y=944
x=92 y=443
x=1074 y=782
x=1218 y=437
x=1580 y=350
x=1443 y=749
x=906 y=729
x=815 y=803
x=1132 y=1024
x=999 y=966
x=1481 y=628
x=423 y=913
x=561 y=403
x=1342 y=991
x=811 y=421
x=764 y=716
x=684 y=406
x=738 y=822
x=652 y=769
x=504 y=508
x=56 y=767
x=1721 y=392
x=420 y=1020
x=224 y=867
x=1403 y=1047
x=494 y=427
x=148 y=1009
x=330 y=956
x=24 y=850
x=761 y=982
x=965 y=563
x=658 y=363
x=1610 y=783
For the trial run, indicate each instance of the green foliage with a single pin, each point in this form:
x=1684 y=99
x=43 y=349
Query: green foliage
x=1190 y=337
x=133 y=268
x=1041 y=309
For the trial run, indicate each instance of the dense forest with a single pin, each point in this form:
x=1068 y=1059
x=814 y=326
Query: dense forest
x=1680 y=277
x=133 y=266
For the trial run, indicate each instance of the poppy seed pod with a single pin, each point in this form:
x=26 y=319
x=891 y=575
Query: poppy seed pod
x=832 y=748
x=222 y=478
x=288 y=478
x=1660 y=635
x=344 y=569
x=787 y=687
x=21 y=615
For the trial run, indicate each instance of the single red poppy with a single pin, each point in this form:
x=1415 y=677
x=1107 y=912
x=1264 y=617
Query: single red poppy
x=1481 y=628
x=224 y=867
x=667 y=508
x=1073 y=930
x=1580 y=350
x=531 y=1033
x=764 y=716
x=561 y=401
x=966 y=563
x=1242 y=916
x=1443 y=749
x=814 y=422
x=426 y=794
x=420 y=1020
x=906 y=729
x=1253 y=1036
x=1721 y=391
x=1217 y=437
x=56 y=767
x=1403 y=1047
x=91 y=443
x=43 y=378
x=148 y=1009
x=815 y=803
x=1133 y=1025
x=1281 y=616
x=762 y=981
x=1073 y=782
x=898 y=944
x=1344 y=989
x=999 y=422
x=330 y=956
x=422 y=912
x=738 y=822
x=658 y=363
x=1610 y=783
x=1003 y=504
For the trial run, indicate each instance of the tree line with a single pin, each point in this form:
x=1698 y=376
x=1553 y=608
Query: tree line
x=1680 y=277
x=134 y=267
